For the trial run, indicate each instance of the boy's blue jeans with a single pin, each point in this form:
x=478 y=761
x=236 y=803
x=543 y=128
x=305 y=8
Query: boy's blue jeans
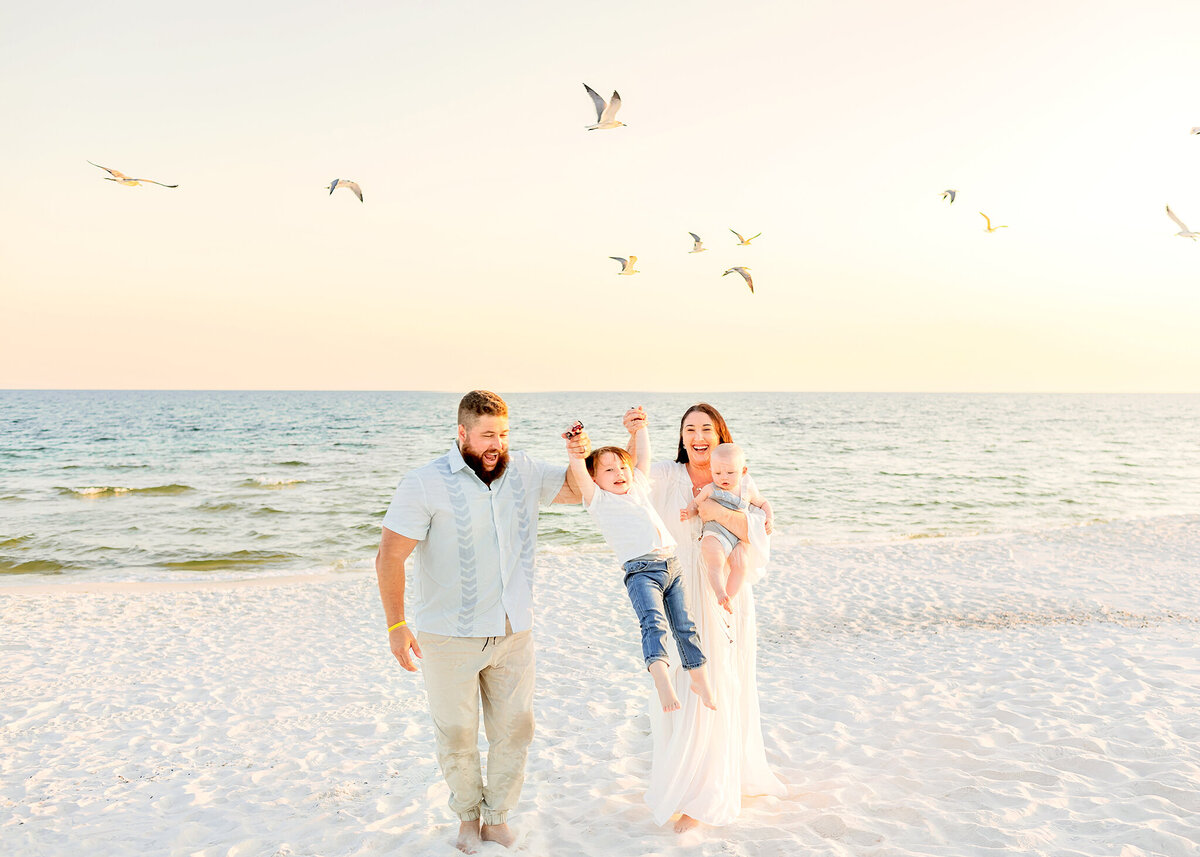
x=658 y=597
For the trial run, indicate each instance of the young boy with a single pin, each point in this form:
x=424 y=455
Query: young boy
x=718 y=546
x=617 y=496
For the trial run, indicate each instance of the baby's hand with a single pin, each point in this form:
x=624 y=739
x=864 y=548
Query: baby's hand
x=635 y=419
x=684 y=514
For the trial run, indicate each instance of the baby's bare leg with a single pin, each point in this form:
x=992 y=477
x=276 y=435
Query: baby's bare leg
x=737 y=569
x=666 y=693
x=713 y=553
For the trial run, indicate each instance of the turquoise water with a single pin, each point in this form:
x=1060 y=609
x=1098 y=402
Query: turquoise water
x=159 y=485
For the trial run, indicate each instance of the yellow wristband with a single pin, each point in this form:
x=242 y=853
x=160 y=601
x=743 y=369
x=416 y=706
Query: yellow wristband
x=397 y=625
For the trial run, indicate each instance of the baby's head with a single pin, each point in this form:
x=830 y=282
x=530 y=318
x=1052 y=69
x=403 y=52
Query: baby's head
x=728 y=465
x=611 y=468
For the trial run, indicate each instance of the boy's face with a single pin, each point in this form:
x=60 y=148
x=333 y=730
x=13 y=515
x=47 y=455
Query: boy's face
x=727 y=471
x=612 y=474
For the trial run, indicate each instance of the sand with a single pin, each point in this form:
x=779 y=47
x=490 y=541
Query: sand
x=1035 y=693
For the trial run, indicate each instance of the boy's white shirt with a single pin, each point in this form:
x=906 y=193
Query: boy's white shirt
x=629 y=523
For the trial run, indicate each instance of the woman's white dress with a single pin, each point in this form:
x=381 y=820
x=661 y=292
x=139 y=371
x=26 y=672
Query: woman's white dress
x=704 y=760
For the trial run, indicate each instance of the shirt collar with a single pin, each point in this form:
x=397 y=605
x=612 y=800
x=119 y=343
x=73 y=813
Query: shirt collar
x=457 y=462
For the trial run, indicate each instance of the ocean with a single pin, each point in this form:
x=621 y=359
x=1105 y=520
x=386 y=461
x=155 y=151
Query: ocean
x=161 y=485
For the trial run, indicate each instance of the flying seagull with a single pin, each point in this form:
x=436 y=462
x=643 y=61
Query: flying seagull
x=950 y=194
x=1186 y=233
x=336 y=183
x=121 y=178
x=745 y=272
x=606 y=112
x=991 y=228
x=626 y=266
x=743 y=242
x=1196 y=130
x=697 y=246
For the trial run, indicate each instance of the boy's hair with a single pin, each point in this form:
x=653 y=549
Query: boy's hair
x=478 y=403
x=622 y=454
x=723 y=435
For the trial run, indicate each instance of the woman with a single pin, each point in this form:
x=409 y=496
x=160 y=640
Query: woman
x=704 y=761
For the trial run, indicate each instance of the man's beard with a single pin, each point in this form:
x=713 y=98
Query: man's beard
x=475 y=462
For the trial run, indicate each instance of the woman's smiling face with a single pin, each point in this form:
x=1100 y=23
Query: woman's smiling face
x=699 y=436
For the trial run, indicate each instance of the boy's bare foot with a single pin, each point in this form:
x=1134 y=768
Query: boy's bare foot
x=498 y=833
x=666 y=693
x=685 y=823
x=468 y=837
x=699 y=682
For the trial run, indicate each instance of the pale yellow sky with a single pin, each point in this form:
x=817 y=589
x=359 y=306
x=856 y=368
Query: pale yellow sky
x=480 y=256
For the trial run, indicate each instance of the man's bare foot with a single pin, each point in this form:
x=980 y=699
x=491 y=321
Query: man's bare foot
x=662 y=683
x=685 y=823
x=499 y=833
x=698 y=678
x=468 y=837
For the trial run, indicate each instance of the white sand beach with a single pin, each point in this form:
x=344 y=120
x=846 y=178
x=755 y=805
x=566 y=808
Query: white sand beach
x=1023 y=694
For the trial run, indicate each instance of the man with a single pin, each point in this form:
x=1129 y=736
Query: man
x=470 y=519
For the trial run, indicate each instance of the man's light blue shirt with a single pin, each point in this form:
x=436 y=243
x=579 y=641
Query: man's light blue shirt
x=474 y=561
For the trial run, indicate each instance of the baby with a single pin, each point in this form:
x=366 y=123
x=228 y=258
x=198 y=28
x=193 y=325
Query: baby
x=616 y=493
x=718 y=545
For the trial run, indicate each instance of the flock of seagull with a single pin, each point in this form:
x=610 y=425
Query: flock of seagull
x=606 y=119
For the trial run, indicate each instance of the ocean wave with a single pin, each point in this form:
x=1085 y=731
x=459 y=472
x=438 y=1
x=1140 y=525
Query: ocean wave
x=291 y=464
x=236 y=558
x=270 y=484
x=117 y=490
x=218 y=507
x=32 y=566
x=16 y=540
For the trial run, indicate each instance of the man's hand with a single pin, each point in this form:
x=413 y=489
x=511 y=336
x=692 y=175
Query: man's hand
x=578 y=446
x=635 y=419
x=402 y=640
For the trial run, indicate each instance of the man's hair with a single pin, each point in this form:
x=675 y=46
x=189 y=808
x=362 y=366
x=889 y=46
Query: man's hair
x=594 y=457
x=723 y=434
x=479 y=403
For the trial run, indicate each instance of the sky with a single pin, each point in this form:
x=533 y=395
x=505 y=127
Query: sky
x=480 y=257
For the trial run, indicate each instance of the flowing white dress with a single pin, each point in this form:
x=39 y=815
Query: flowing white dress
x=704 y=760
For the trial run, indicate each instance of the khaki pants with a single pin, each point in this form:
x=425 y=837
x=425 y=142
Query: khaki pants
x=459 y=672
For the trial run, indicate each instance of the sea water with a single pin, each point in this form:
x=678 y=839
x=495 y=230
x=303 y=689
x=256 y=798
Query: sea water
x=150 y=485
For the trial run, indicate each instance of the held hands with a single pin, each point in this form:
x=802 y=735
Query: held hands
x=635 y=419
x=578 y=444
x=688 y=512
x=401 y=641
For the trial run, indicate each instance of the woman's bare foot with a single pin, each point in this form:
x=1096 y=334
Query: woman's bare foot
x=685 y=823
x=666 y=693
x=698 y=678
x=468 y=837
x=498 y=833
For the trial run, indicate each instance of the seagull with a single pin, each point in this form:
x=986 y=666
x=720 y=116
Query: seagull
x=121 y=178
x=743 y=242
x=1196 y=130
x=1186 y=233
x=745 y=272
x=606 y=112
x=626 y=266
x=336 y=183
x=991 y=228
x=951 y=194
x=697 y=247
